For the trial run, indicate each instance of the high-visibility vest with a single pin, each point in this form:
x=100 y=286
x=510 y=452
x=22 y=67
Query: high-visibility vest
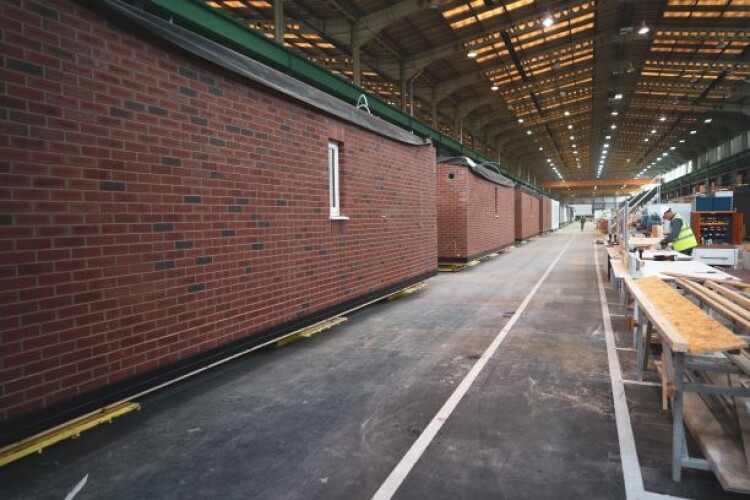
x=686 y=238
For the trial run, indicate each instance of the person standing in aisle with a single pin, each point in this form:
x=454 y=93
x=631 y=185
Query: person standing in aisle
x=680 y=235
x=583 y=222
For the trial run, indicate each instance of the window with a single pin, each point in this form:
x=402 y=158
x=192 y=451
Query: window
x=333 y=179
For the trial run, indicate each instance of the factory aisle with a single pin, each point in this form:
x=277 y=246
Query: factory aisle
x=332 y=416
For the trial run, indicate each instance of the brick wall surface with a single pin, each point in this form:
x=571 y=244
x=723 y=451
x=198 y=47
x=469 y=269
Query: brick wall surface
x=153 y=207
x=546 y=213
x=475 y=216
x=527 y=214
x=452 y=200
x=490 y=216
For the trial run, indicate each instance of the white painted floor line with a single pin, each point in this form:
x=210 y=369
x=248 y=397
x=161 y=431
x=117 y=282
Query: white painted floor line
x=77 y=489
x=631 y=468
x=402 y=469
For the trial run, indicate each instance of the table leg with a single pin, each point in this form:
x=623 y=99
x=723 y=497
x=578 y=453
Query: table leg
x=678 y=427
x=647 y=343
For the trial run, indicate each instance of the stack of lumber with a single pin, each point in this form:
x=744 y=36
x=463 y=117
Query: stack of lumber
x=729 y=298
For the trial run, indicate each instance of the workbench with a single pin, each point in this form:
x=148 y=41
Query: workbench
x=694 y=347
x=617 y=270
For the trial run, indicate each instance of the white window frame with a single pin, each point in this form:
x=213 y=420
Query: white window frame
x=334 y=185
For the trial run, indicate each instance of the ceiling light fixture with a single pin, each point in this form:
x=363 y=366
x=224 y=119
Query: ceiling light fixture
x=567 y=113
x=708 y=120
x=472 y=54
x=570 y=127
x=643 y=29
x=614 y=113
x=663 y=119
x=653 y=130
x=494 y=88
x=693 y=132
x=548 y=21
x=520 y=120
x=613 y=126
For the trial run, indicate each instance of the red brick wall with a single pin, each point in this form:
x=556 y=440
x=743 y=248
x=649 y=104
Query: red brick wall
x=527 y=214
x=467 y=223
x=490 y=224
x=152 y=207
x=546 y=213
x=452 y=199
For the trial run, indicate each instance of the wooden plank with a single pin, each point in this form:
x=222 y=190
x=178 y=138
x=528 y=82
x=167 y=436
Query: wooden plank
x=701 y=332
x=702 y=294
x=718 y=299
x=730 y=294
x=618 y=269
x=724 y=455
x=742 y=361
x=736 y=284
x=743 y=417
x=676 y=341
x=614 y=252
x=643 y=242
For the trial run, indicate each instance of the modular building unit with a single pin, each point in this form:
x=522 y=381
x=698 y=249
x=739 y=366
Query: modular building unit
x=556 y=215
x=545 y=213
x=528 y=218
x=175 y=202
x=475 y=210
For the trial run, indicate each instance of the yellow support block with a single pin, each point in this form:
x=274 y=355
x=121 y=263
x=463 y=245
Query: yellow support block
x=408 y=290
x=449 y=268
x=311 y=330
x=72 y=429
x=455 y=267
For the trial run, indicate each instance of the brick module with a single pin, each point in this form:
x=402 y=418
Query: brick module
x=475 y=215
x=546 y=213
x=528 y=218
x=154 y=207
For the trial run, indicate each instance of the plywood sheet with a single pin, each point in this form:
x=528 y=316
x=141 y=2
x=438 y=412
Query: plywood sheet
x=725 y=456
x=702 y=332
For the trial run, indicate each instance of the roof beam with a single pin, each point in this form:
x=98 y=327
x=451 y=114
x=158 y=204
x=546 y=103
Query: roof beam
x=419 y=61
x=369 y=26
x=594 y=182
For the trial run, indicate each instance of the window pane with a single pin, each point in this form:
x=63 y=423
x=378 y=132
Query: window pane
x=333 y=178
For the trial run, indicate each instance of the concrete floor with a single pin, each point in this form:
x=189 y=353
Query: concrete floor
x=331 y=416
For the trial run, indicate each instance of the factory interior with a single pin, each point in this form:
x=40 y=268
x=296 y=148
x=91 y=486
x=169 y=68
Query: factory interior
x=375 y=249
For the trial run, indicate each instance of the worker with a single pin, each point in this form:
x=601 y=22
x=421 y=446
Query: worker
x=583 y=222
x=680 y=235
